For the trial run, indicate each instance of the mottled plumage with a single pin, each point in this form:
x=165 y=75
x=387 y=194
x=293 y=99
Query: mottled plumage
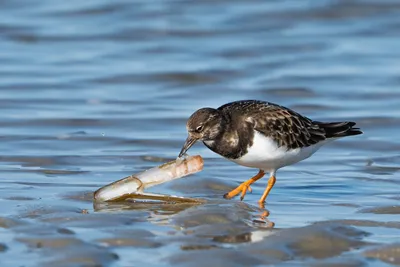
x=283 y=125
x=261 y=135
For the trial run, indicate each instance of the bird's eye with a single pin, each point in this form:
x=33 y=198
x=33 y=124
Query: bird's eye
x=199 y=128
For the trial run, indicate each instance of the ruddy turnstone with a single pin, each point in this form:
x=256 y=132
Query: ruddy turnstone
x=261 y=135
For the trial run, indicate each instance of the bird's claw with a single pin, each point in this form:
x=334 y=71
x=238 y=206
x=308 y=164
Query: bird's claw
x=226 y=196
x=243 y=188
x=244 y=191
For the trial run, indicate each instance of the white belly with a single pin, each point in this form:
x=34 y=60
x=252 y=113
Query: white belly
x=266 y=155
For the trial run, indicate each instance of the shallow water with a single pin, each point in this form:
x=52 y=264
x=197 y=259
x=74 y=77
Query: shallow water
x=93 y=91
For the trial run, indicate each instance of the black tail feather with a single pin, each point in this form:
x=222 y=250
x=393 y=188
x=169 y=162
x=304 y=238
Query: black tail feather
x=339 y=129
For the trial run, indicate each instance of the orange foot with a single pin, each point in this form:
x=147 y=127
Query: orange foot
x=271 y=183
x=244 y=187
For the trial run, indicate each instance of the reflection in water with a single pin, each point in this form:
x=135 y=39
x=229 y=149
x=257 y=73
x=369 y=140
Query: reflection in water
x=164 y=211
x=155 y=208
x=83 y=105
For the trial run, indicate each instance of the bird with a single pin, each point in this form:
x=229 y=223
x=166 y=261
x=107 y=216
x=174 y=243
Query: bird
x=261 y=135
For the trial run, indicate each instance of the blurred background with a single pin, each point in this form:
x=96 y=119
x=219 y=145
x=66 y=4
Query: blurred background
x=93 y=91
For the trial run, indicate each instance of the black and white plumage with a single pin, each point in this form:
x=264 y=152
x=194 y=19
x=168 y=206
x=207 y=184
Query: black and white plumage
x=261 y=134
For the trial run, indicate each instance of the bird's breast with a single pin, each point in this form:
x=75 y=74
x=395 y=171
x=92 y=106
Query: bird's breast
x=229 y=145
x=264 y=153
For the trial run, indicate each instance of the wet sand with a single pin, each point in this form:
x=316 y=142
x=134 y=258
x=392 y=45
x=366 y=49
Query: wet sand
x=92 y=92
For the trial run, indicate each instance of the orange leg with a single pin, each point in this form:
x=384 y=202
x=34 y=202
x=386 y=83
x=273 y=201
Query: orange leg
x=271 y=183
x=243 y=187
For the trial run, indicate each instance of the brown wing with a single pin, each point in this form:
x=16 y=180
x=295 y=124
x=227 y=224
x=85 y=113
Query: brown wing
x=285 y=126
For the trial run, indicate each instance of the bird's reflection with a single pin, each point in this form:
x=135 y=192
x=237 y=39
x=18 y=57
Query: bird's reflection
x=212 y=216
x=261 y=219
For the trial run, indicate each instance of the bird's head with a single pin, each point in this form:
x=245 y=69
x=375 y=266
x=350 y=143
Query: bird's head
x=205 y=125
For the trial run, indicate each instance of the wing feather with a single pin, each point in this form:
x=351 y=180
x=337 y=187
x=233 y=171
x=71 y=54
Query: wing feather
x=285 y=126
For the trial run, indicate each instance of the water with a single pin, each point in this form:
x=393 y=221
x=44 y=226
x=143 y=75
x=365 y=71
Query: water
x=93 y=91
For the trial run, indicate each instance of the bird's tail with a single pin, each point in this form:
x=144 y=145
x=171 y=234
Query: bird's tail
x=339 y=129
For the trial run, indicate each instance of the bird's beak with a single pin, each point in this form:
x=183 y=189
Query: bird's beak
x=188 y=144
